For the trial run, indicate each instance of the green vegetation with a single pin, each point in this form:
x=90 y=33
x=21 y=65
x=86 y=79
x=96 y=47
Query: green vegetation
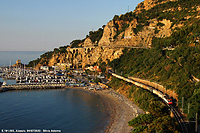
x=95 y=36
x=103 y=65
x=173 y=69
x=139 y=129
x=123 y=28
x=129 y=16
x=158 y=117
x=138 y=28
x=62 y=49
x=124 y=20
x=160 y=24
x=142 y=119
x=171 y=10
x=44 y=58
x=185 y=36
x=175 y=11
x=34 y=62
x=75 y=43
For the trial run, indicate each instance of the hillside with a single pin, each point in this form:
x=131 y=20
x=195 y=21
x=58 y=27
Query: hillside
x=154 y=23
x=166 y=34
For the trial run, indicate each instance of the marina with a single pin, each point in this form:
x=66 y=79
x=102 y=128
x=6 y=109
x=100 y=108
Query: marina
x=48 y=85
x=23 y=78
x=24 y=75
x=28 y=78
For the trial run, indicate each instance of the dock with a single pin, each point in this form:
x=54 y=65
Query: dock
x=33 y=86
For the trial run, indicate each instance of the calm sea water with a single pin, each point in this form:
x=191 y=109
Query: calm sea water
x=68 y=110
x=7 y=57
x=8 y=81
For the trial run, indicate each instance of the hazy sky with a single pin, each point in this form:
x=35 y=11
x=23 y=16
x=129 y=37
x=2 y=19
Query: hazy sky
x=42 y=25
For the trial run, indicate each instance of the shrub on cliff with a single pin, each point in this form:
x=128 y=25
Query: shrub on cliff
x=163 y=124
x=173 y=69
x=138 y=28
x=139 y=129
x=95 y=36
x=75 y=43
x=142 y=119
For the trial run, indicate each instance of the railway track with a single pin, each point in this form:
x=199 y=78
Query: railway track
x=176 y=114
x=179 y=119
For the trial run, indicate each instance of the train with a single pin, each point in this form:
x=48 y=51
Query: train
x=160 y=94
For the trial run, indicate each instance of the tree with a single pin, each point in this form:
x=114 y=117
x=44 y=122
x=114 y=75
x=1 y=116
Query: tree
x=116 y=18
x=56 y=50
x=75 y=43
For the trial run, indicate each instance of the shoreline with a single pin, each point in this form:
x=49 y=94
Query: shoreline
x=120 y=109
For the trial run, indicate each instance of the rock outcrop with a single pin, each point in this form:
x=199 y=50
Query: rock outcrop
x=148 y=4
x=118 y=33
x=88 y=43
x=80 y=57
x=108 y=35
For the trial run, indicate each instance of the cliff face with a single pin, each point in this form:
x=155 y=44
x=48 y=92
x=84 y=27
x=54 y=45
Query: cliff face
x=133 y=29
x=99 y=53
x=108 y=34
x=128 y=38
x=88 y=43
x=113 y=35
x=80 y=57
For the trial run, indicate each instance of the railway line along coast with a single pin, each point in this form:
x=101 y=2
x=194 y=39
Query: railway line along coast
x=185 y=127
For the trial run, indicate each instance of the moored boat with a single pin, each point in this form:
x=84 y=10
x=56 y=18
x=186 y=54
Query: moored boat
x=2 y=89
x=4 y=83
x=1 y=84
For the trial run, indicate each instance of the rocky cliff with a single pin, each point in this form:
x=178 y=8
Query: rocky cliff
x=80 y=57
x=151 y=19
x=121 y=31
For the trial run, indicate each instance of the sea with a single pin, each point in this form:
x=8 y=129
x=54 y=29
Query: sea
x=10 y=57
x=59 y=110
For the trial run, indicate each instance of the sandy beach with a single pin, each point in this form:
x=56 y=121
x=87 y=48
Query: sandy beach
x=121 y=110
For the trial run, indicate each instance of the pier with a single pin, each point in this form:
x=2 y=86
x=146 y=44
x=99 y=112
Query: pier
x=32 y=86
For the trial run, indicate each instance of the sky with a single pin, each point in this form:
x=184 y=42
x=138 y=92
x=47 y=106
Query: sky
x=42 y=25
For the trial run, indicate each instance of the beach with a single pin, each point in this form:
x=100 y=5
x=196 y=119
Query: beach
x=120 y=108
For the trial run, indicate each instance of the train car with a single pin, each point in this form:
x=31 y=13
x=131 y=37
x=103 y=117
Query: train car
x=157 y=92
x=168 y=100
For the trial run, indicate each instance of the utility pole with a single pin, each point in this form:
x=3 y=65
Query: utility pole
x=182 y=103
x=196 y=123
x=188 y=108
